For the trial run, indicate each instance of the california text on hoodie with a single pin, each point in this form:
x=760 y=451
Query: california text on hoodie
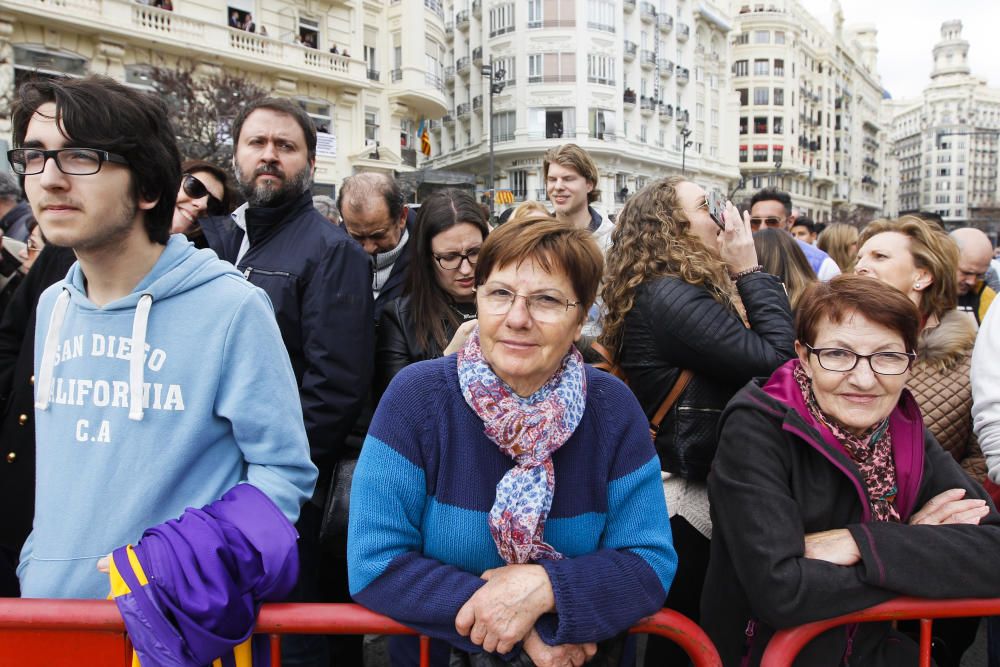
x=777 y=476
x=158 y=401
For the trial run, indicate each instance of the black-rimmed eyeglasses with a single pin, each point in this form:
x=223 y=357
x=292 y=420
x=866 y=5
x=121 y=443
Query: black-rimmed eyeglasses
x=195 y=189
x=72 y=161
x=450 y=261
x=840 y=360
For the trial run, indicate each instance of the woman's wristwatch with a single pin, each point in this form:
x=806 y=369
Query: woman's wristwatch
x=746 y=272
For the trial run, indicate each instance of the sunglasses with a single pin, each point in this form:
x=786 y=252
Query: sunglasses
x=770 y=221
x=195 y=189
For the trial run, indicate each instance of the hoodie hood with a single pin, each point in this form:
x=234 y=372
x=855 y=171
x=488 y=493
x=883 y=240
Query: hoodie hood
x=780 y=396
x=179 y=269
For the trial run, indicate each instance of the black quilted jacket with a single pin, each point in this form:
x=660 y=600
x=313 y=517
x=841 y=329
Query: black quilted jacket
x=673 y=326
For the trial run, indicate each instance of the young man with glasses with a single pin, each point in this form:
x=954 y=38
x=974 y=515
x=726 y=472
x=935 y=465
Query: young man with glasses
x=772 y=208
x=147 y=353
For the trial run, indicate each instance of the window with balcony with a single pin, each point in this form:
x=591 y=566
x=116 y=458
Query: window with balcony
x=760 y=125
x=761 y=37
x=742 y=38
x=309 y=31
x=779 y=36
x=741 y=68
x=760 y=95
x=502 y=19
x=534 y=13
x=779 y=67
x=777 y=153
x=779 y=96
x=320 y=111
x=552 y=68
x=778 y=126
x=601 y=15
x=743 y=153
x=371 y=64
x=504 y=125
x=551 y=14
x=744 y=124
x=761 y=67
x=601 y=69
x=517 y=180
x=601 y=123
x=744 y=99
x=760 y=153
x=507 y=66
x=551 y=123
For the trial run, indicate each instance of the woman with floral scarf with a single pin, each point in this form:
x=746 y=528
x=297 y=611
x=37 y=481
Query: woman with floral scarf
x=508 y=498
x=829 y=496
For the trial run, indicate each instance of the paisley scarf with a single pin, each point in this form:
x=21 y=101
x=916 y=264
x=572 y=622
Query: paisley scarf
x=871 y=452
x=529 y=430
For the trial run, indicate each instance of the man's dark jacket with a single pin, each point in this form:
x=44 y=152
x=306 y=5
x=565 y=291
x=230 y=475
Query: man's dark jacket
x=319 y=281
x=17 y=430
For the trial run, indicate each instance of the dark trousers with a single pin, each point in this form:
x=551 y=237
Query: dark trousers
x=9 y=587
x=322 y=578
x=685 y=593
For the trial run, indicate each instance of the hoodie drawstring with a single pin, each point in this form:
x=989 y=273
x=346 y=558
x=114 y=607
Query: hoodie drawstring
x=136 y=360
x=43 y=387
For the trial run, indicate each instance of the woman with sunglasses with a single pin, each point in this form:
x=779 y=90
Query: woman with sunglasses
x=438 y=308
x=679 y=287
x=829 y=496
x=204 y=191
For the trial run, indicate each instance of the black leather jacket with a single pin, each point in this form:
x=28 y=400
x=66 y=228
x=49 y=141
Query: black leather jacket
x=396 y=346
x=674 y=326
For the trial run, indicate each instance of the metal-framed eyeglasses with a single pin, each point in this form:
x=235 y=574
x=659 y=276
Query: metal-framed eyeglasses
x=840 y=360
x=495 y=300
x=71 y=161
x=450 y=261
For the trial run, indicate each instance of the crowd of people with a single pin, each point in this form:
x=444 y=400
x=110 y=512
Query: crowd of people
x=206 y=406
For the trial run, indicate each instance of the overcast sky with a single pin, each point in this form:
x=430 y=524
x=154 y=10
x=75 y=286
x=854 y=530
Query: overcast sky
x=908 y=30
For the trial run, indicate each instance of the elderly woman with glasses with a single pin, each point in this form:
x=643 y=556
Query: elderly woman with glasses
x=508 y=498
x=204 y=191
x=829 y=496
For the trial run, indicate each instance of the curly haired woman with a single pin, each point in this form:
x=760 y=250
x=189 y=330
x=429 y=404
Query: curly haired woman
x=677 y=285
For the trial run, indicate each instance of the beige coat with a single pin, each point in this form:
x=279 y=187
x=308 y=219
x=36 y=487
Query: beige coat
x=940 y=383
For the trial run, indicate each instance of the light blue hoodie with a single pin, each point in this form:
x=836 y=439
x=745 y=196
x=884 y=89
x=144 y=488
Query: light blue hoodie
x=129 y=435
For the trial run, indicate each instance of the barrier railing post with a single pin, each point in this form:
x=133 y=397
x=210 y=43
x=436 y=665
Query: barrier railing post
x=926 y=639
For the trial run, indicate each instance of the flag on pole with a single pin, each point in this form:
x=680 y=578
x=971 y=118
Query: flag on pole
x=425 y=138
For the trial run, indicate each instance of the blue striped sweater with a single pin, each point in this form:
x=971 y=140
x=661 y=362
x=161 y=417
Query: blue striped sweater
x=419 y=539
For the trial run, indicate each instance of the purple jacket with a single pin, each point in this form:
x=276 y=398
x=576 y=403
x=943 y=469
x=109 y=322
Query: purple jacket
x=778 y=476
x=190 y=590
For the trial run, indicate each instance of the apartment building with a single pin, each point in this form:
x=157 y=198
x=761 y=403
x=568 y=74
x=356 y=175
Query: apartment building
x=643 y=86
x=946 y=141
x=365 y=98
x=810 y=110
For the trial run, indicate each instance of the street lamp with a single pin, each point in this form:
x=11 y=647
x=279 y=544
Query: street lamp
x=497 y=78
x=685 y=142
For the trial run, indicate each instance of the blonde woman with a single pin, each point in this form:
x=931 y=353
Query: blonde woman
x=781 y=256
x=674 y=281
x=840 y=241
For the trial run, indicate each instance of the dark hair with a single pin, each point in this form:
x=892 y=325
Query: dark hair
x=805 y=222
x=98 y=112
x=370 y=184
x=781 y=256
x=554 y=245
x=850 y=293
x=281 y=105
x=191 y=166
x=428 y=302
x=773 y=194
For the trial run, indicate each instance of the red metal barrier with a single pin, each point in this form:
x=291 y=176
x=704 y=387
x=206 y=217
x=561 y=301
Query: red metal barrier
x=90 y=633
x=787 y=644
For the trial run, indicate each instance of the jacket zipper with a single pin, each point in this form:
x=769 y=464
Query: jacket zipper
x=249 y=269
x=750 y=632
